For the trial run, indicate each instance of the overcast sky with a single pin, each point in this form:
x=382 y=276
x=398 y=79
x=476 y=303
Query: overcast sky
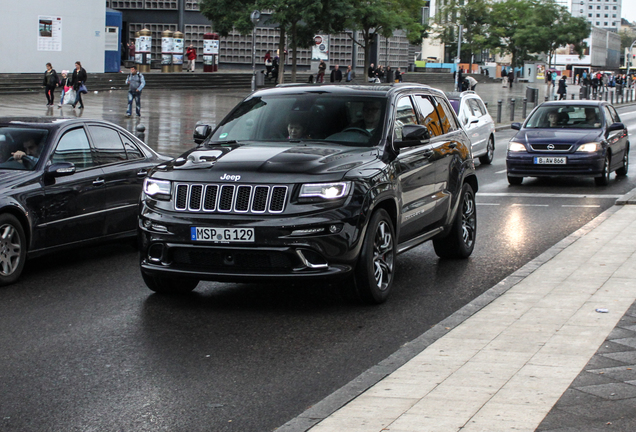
x=629 y=10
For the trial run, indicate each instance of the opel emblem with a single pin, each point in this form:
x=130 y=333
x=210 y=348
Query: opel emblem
x=550 y=146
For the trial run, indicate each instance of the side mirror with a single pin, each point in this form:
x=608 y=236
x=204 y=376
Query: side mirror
x=515 y=126
x=616 y=126
x=60 y=169
x=201 y=132
x=414 y=135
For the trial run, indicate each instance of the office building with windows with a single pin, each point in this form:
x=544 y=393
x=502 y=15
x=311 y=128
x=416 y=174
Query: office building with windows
x=605 y=14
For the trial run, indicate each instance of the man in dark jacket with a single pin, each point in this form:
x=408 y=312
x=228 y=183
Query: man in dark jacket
x=50 y=82
x=336 y=74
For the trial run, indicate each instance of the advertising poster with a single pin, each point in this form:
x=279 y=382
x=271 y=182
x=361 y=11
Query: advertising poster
x=167 y=45
x=145 y=43
x=320 y=50
x=49 y=33
x=178 y=46
x=207 y=46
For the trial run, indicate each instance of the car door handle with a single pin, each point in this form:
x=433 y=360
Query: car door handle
x=98 y=182
x=142 y=173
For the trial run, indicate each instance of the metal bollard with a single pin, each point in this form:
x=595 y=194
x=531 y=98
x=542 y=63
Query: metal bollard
x=573 y=96
x=512 y=109
x=545 y=99
x=611 y=97
x=499 y=104
x=606 y=94
x=524 y=110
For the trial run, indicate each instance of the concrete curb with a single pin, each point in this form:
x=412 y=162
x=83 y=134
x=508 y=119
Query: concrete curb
x=372 y=376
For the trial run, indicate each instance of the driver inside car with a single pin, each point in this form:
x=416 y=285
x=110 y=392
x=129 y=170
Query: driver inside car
x=31 y=154
x=370 y=116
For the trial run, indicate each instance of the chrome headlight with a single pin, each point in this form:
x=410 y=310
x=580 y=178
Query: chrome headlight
x=516 y=146
x=590 y=147
x=158 y=189
x=324 y=191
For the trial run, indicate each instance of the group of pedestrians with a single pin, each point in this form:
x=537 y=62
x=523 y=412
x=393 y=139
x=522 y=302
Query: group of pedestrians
x=381 y=74
x=72 y=86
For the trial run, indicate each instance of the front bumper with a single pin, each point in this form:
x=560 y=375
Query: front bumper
x=278 y=251
x=522 y=164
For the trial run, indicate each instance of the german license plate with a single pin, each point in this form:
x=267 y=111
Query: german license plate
x=222 y=235
x=551 y=160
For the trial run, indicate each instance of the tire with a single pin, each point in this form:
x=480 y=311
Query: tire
x=515 y=181
x=603 y=179
x=169 y=285
x=373 y=277
x=460 y=241
x=490 y=152
x=13 y=249
x=622 y=171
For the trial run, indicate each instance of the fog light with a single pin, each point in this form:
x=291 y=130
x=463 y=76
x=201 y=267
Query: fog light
x=147 y=223
x=155 y=252
x=334 y=229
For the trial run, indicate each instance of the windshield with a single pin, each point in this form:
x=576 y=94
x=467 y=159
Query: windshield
x=568 y=116
x=20 y=147
x=343 y=119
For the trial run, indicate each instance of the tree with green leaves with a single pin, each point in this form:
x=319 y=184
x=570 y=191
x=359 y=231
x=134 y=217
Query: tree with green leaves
x=381 y=18
x=474 y=16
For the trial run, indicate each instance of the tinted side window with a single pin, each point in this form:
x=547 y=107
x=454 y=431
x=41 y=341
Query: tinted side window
x=615 y=116
x=74 y=147
x=446 y=115
x=608 y=115
x=405 y=114
x=132 y=151
x=474 y=107
x=108 y=145
x=428 y=115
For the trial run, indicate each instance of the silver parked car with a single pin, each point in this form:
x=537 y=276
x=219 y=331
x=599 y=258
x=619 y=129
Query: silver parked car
x=477 y=122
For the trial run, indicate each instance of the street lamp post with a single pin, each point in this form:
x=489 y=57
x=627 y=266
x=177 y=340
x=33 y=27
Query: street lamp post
x=255 y=17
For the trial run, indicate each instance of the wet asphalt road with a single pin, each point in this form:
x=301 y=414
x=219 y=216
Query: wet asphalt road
x=85 y=346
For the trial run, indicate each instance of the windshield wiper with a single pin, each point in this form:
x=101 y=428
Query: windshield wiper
x=222 y=142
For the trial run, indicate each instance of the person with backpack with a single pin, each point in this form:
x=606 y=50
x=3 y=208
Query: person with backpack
x=136 y=82
x=50 y=82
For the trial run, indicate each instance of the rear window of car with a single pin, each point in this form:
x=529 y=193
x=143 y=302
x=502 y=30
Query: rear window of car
x=455 y=104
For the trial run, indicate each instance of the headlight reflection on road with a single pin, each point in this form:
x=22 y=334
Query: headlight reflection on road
x=514 y=228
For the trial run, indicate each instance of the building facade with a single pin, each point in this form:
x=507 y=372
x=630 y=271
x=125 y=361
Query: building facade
x=235 y=50
x=605 y=14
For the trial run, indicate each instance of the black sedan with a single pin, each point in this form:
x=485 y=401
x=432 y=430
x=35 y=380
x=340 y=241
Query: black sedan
x=64 y=183
x=569 y=138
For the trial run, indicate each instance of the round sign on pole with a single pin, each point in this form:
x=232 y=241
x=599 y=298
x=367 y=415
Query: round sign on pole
x=318 y=40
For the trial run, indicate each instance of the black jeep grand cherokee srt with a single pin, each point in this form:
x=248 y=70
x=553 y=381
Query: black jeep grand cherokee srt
x=312 y=182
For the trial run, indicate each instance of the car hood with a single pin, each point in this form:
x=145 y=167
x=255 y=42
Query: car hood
x=554 y=136
x=266 y=163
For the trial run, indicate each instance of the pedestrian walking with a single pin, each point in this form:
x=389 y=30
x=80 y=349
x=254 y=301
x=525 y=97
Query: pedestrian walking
x=562 y=90
x=50 y=82
x=390 y=74
x=322 y=67
x=350 y=75
x=371 y=73
x=191 y=53
x=336 y=74
x=398 y=75
x=268 y=63
x=131 y=50
x=136 y=82
x=65 y=84
x=460 y=80
x=511 y=77
x=79 y=84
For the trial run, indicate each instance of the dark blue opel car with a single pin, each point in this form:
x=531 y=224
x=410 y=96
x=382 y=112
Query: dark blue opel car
x=569 y=138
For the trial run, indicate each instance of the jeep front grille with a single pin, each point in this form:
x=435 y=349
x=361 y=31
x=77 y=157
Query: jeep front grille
x=229 y=198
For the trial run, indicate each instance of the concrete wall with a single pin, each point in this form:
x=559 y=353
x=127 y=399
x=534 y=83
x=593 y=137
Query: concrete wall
x=83 y=25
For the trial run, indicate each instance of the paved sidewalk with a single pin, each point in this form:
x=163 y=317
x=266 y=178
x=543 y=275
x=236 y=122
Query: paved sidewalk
x=502 y=362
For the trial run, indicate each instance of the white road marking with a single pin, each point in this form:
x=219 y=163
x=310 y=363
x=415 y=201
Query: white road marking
x=545 y=195
x=488 y=204
x=500 y=172
x=591 y=206
x=530 y=205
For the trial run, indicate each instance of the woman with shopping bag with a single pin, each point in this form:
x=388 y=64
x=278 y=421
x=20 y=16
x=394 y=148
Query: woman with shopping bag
x=79 y=80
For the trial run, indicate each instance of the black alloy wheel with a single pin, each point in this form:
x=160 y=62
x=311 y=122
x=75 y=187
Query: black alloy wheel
x=460 y=241
x=373 y=278
x=490 y=152
x=13 y=249
x=604 y=178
